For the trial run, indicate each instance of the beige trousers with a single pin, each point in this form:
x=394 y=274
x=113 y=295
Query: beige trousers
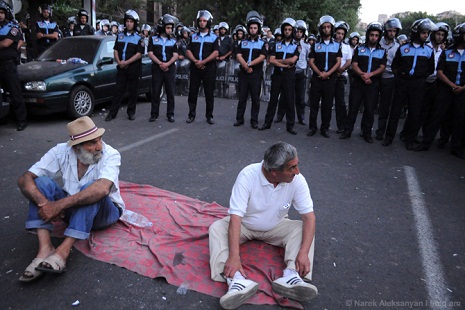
x=287 y=234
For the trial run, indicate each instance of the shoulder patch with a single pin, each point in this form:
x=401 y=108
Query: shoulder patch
x=14 y=31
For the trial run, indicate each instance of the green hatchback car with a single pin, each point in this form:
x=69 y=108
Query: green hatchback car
x=74 y=75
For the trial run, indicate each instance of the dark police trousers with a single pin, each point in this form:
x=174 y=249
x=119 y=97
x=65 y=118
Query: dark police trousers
x=9 y=80
x=160 y=77
x=282 y=83
x=368 y=95
x=339 y=101
x=207 y=77
x=249 y=83
x=126 y=77
x=323 y=89
x=386 y=91
x=410 y=91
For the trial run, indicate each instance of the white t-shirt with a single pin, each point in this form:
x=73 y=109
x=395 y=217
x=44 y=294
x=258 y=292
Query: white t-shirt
x=347 y=53
x=60 y=163
x=261 y=205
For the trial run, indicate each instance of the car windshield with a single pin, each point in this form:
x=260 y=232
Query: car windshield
x=84 y=48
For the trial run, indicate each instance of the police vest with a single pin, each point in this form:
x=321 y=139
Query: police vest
x=11 y=31
x=202 y=47
x=326 y=55
x=128 y=45
x=163 y=49
x=368 y=60
x=453 y=66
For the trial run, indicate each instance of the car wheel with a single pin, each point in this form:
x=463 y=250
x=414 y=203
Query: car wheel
x=80 y=102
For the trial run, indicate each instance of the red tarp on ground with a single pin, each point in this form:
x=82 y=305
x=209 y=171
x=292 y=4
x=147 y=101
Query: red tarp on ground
x=176 y=246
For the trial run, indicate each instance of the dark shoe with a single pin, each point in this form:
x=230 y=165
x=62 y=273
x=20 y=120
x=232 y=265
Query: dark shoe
x=238 y=123
x=409 y=146
x=302 y=122
x=210 y=120
x=340 y=131
x=190 y=119
x=368 y=139
x=171 y=119
x=21 y=126
x=379 y=137
x=458 y=153
x=254 y=125
x=387 y=142
x=152 y=119
x=265 y=126
x=109 y=118
x=131 y=117
x=278 y=119
x=325 y=134
x=311 y=133
x=421 y=147
x=345 y=135
x=292 y=131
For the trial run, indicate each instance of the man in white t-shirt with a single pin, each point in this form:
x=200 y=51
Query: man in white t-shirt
x=88 y=199
x=260 y=201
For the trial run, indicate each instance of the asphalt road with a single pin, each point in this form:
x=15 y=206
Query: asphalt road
x=370 y=242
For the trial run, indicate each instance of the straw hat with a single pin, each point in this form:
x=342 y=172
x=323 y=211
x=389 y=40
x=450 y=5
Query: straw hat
x=83 y=129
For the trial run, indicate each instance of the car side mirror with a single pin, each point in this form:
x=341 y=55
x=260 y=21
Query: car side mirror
x=105 y=61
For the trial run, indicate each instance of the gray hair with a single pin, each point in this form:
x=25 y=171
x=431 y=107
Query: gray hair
x=278 y=155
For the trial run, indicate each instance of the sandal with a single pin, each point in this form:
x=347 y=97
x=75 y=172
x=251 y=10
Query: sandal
x=57 y=265
x=32 y=270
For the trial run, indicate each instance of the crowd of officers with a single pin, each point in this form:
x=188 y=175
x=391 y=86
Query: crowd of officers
x=383 y=71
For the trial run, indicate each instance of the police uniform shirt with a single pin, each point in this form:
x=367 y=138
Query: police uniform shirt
x=163 y=48
x=413 y=62
x=452 y=64
x=284 y=50
x=251 y=50
x=10 y=31
x=369 y=59
x=201 y=46
x=46 y=27
x=325 y=55
x=226 y=45
x=128 y=45
x=391 y=50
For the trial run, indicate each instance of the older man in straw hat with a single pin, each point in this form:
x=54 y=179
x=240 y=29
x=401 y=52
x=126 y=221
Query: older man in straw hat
x=89 y=198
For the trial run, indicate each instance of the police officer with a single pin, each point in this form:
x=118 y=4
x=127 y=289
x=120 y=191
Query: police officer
x=104 y=28
x=163 y=52
x=10 y=35
x=437 y=42
x=283 y=57
x=368 y=62
x=300 y=75
x=341 y=29
x=251 y=55
x=114 y=25
x=46 y=30
x=128 y=49
x=451 y=93
x=413 y=63
x=392 y=27
x=324 y=60
x=68 y=32
x=82 y=28
x=202 y=51
x=224 y=53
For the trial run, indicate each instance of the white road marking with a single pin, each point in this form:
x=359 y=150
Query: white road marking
x=432 y=267
x=147 y=140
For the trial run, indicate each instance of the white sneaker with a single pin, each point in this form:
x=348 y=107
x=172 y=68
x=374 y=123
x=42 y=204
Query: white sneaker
x=238 y=292
x=294 y=287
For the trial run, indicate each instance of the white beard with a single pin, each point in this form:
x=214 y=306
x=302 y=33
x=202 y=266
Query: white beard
x=87 y=158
